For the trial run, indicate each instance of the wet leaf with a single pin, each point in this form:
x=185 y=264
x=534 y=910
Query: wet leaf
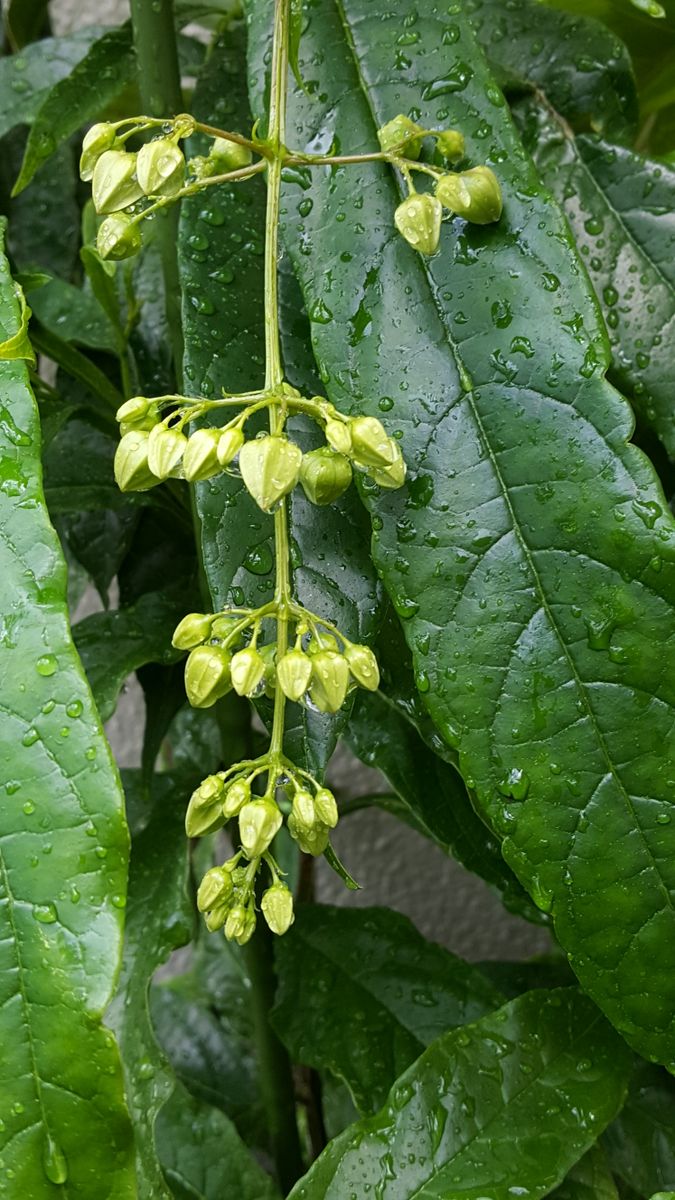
x=26 y=78
x=63 y=854
x=73 y=315
x=589 y=1179
x=361 y=993
x=641 y=1141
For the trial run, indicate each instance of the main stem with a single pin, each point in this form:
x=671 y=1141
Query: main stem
x=161 y=96
x=276 y=1073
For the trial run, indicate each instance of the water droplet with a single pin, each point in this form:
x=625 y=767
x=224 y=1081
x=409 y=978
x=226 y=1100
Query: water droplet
x=46 y=664
x=320 y=313
x=74 y=709
x=515 y=783
x=45 y=913
x=54 y=1161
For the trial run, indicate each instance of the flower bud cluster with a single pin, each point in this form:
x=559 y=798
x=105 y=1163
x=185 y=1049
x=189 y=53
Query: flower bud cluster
x=226 y=898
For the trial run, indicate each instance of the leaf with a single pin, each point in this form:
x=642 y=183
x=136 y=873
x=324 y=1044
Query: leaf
x=433 y=795
x=361 y=993
x=472 y=1114
x=79 y=469
x=296 y=17
x=589 y=1179
x=44 y=225
x=99 y=540
x=204 y=1158
x=641 y=1141
x=25 y=21
x=78 y=366
x=107 y=67
x=114 y=644
x=26 y=78
x=159 y=919
x=63 y=853
x=73 y=315
x=17 y=345
x=620 y=206
x=584 y=69
x=529 y=556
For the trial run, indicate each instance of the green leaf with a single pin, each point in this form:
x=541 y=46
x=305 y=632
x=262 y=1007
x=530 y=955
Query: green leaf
x=641 y=1141
x=589 y=1179
x=433 y=795
x=73 y=315
x=473 y=1113
x=584 y=69
x=361 y=993
x=27 y=78
x=619 y=206
x=114 y=644
x=203 y=1156
x=159 y=919
x=78 y=468
x=25 y=21
x=529 y=556
x=99 y=541
x=107 y=67
x=44 y=225
x=63 y=853
x=17 y=345
x=78 y=366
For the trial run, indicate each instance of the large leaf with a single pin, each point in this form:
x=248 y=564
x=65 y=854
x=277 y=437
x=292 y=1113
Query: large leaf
x=589 y=1179
x=529 y=555
x=74 y=315
x=361 y=993
x=98 y=78
x=44 y=226
x=27 y=77
x=621 y=209
x=473 y=1116
x=63 y=853
x=159 y=918
x=641 y=1141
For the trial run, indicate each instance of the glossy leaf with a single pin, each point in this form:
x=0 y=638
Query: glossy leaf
x=159 y=919
x=530 y=556
x=99 y=541
x=73 y=315
x=26 y=78
x=44 y=225
x=79 y=368
x=361 y=993
x=114 y=644
x=25 y=21
x=79 y=469
x=472 y=1117
x=589 y=1179
x=98 y=78
x=63 y=855
x=621 y=209
x=641 y=1141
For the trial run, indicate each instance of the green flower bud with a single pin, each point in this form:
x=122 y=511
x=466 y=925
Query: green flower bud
x=114 y=183
x=370 y=445
x=229 y=445
x=194 y=629
x=268 y=653
x=474 y=195
x=165 y=450
x=312 y=841
x=326 y=642
x=330 y=680
x=215 y=888
x=225 y=156
x=216 y=917
x=403 y=135
x=237 y=795
x=200 y=460
x=392 y=476
x=118 y=237
x=326 y=808
x=161 y=167
x=363 y=666
x=338 y=436
x=207 y=675
x=294 y=672
x=240 y=924
x=205 y=810
x=132 y=472
x=137 y=413
x=324 y=475
x=248 y=669
x=419 y=220
x=96 y=141
x=259 y=823
x=303 y=810
x=223 y=626
x=451 y=144
x=270 y=467
x=277 y=908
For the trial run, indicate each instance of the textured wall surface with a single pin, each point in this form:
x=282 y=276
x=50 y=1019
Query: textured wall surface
x=394 y=865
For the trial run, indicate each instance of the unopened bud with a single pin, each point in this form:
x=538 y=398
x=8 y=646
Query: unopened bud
x=132 y=471
x=371 y=445
x=294 y=672
x=248 y=669
x=418 y=219
x=277 y=908
x=392 y=476
x=96 y=141
x=338 y=436
x=207 y=675
x=259 y=823
x=216 y=917
x=225 y=156
x=165 y=450
x=230 y=443
x=402 y=135
x=161 y=168
x=270 y=467
x=214 y=889
x=326 y=808
x=205 y=810
x=118 y=237
x=194 y=629
x=303 y=810
x=114 y=183
x=200 y=460
x=223 y=626
x=236 y=796
x=451 y=144
x=363 y=666
x=137 y=413
x=268 y=653
x=474 y=195
x=240 y=924
x=330 y=680
x=325 y=475
x=313 y=841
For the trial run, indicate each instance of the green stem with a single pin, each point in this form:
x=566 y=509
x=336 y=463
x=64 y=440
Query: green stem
x=159 y=86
